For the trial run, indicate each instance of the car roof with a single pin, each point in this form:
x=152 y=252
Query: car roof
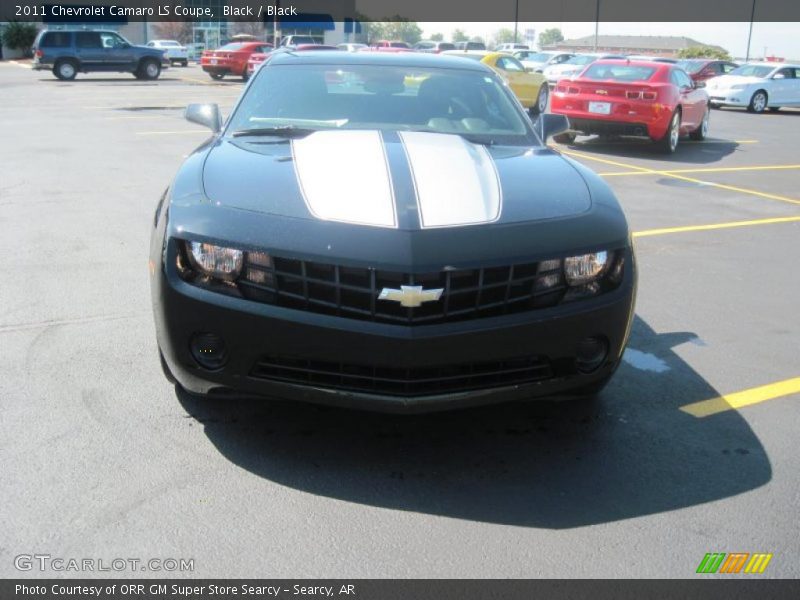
x=406 y=59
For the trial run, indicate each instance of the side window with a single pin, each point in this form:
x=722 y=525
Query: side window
x=56 y=39
x=787 y=73
x=109 y=40
x=87 y=39
x=510 y=64
x=727 y=67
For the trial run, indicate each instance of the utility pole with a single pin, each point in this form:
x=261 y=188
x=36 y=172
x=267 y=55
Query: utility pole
x=750 y=35
x=597 y=22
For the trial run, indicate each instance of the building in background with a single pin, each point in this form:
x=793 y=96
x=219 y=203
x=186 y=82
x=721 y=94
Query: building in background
x=656 y=45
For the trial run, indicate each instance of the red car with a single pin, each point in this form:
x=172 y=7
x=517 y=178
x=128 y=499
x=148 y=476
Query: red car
x=633 y=98
x=259 y=57
x=231 y=59
x=701 y=69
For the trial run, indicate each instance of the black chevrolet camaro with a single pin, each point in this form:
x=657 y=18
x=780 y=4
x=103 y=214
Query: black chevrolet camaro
x=387 y=231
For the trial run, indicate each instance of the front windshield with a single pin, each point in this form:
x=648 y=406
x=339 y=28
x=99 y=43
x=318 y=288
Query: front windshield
x=752 y=71
x=580 y=60
x=401 y=98
x=691 y=66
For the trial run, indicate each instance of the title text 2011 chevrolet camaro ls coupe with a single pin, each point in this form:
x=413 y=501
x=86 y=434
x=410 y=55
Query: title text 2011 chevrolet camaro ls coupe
x=387 y=231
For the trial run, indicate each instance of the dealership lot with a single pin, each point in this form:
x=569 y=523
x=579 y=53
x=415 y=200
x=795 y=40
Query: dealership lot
x=102 y=459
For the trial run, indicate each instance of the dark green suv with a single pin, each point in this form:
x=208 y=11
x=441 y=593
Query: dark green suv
x=68 y=53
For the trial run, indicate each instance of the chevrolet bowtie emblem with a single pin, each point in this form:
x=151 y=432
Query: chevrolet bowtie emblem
x=604 y=92
x=410 y=295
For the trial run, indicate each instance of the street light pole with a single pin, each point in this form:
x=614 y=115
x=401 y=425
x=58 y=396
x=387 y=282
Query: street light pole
x=597 y=23
x=516 y=19
x=750 y=35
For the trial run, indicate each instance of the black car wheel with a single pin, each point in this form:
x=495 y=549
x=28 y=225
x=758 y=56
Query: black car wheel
x=565 y=138
x=148 y=69
x=701 y=132
x=669 y=142
x=217 y=76
x=758 y=103
x=65 y=70
x=185 y=63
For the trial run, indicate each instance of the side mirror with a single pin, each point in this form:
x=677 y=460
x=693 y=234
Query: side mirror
x=550 y=125
x=205 y=114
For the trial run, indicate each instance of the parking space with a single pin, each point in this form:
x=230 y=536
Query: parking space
x=103 y=458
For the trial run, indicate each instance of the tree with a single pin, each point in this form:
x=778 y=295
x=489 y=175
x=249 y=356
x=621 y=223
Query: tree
x=436 y=37
x=399 y=28
x=20 y=36
x=180 y=31
x=503 y=36
x=459 y=36
x=550 y=36
x=704 y=52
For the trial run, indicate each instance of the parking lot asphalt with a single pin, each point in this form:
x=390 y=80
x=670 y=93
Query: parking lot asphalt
x=102 y=458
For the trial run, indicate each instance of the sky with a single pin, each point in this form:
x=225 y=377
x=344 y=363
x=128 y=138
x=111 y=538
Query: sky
x=779 y=39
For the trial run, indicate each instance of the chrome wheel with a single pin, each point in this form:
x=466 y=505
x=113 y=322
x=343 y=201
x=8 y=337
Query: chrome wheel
x=759 y=102
x=674 y=131
x=544 y=93
x=151 y=70
x=66 y=70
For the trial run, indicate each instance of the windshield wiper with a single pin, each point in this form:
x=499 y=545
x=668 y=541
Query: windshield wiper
x=286 y=131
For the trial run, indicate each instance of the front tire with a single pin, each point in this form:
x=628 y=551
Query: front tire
x=541 y=100
x=65 y=70
x=758 y=102
x=669 y=142
x=701 y=132
x=148 y=69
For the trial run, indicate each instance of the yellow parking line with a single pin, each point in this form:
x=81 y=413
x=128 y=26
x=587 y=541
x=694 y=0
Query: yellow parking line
x=713 y=406
x=703 y=170
x=722 y=186
x=731 y=224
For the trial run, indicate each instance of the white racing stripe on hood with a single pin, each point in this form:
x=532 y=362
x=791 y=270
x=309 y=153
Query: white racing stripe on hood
x=344 y=176
x=456 y=181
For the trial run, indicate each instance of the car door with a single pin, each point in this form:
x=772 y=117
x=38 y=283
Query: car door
x=522 y=83
x=692 y=99
x=119 y=53
x=89 y=50
x=781 y=87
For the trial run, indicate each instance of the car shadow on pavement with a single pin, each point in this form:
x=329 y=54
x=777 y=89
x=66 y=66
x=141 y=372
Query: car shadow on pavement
x=542 y=464
x=708 y=151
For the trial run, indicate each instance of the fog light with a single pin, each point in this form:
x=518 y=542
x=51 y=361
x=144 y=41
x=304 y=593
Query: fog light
x=591 y=353
x=208 y=349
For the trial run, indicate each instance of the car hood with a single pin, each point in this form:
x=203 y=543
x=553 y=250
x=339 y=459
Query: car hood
x=724 y=81
x=409 y=180
x=561 y=69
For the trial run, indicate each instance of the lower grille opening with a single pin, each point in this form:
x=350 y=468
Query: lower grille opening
x=398 y=381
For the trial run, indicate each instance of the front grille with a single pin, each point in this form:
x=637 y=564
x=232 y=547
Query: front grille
x=353 y=292
x=397 y=381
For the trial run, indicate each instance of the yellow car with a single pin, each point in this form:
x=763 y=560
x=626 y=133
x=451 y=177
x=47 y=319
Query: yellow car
x=530 y=88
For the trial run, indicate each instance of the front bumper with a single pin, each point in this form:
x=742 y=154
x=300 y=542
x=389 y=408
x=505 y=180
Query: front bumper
x=729 y=97
x=253 y=331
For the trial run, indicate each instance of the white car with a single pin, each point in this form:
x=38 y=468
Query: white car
x=572 y=67
x=537 y=61
x=510 y=47
x=757 y=86
x=351 y=47
x=173 y=51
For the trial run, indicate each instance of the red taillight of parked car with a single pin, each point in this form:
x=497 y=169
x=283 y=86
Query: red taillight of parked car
x=567 y=89
x=640 y=95
x=39 y=54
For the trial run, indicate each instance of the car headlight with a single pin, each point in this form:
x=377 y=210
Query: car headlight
x=215 y=261
x=585 y=268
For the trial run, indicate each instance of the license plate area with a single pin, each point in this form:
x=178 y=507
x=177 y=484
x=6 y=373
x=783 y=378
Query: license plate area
x=213 y=61
x=600 y=108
